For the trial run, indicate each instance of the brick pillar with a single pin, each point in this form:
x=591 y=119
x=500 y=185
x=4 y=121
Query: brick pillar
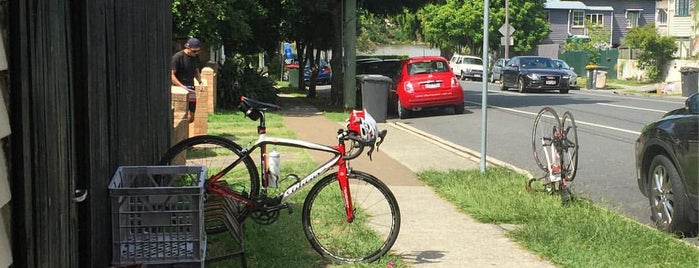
x=180 y=123
x=201 y=116
x=208 y=77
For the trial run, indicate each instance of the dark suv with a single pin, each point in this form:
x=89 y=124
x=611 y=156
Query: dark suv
x=667 y=153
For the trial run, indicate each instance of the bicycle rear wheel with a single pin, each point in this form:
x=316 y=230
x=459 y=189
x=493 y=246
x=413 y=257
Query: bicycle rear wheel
x=215 y=153
x=546 y=124
x=376 y=219
x=570 y=147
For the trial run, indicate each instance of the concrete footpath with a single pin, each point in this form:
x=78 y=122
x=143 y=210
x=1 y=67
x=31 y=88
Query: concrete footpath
x=433 y=232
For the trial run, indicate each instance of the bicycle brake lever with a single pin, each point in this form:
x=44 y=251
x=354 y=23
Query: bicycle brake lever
x=382 y=135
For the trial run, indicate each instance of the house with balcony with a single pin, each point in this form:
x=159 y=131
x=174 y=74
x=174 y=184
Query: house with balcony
x=675 y=18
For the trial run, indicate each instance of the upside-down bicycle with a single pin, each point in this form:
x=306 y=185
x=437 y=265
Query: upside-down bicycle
x=555 y=147
x=347 y=216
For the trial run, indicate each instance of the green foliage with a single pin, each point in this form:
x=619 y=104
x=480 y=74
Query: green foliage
x=458 y=25
x=235 y=79
x=243 y=26
x=656 y=50
x=599 y=39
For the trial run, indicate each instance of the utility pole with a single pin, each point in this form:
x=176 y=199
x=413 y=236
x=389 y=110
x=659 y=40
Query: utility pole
x=484 y=89
x=507 y=29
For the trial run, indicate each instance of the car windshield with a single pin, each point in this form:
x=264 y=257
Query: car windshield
x=538 y=63
x=473 y=61
x=428 y=67
x=563 y=64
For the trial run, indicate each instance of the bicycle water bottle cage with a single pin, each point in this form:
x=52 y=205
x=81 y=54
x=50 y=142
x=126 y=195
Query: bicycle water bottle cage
x=253 y=109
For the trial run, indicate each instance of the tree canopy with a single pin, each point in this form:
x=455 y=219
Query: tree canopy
x=656 y=50
x=457 y=25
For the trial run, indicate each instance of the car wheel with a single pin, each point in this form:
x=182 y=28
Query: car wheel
x=462 y=76
x=669 y=205
x=459 y=109
x=402 y=112
x=520 y=85
x=502 y=84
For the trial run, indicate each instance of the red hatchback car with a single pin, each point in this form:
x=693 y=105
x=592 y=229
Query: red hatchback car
x=426 y=82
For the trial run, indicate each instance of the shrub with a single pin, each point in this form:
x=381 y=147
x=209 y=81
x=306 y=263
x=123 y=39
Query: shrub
x=236 y=78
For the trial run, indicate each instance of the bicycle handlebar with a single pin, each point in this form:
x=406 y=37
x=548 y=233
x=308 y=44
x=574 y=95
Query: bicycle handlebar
x=358 y=143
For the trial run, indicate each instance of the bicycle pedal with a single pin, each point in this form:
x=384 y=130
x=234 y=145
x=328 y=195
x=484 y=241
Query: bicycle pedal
x=289 y=207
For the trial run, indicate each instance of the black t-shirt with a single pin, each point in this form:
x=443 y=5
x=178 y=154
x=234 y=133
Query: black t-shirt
x=185 y=67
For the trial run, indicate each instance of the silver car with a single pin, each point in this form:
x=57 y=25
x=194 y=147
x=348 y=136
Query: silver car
x=573 y=82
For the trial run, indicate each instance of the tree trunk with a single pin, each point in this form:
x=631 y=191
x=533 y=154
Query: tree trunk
x=300 y=50
x=336 y=90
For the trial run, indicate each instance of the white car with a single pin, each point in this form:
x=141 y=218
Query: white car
x=466 y=67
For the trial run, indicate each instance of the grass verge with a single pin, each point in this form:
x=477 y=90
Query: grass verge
x=282 y=243
x=578 y=235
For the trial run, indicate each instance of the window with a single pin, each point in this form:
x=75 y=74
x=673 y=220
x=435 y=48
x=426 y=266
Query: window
x=596 y=20
x=661 y=17
x=682 y=7
x=578 y=18
x=632 y=17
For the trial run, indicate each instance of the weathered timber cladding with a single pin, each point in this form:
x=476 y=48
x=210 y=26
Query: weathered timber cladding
x=89 y=92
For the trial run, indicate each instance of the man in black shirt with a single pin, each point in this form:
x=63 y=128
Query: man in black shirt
x=184 y=68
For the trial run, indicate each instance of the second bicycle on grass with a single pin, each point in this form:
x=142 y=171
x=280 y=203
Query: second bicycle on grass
x=555 y=147
x=347 y=216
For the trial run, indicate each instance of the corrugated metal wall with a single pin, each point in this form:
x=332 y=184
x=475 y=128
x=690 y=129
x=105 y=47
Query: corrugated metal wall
x=89 y=92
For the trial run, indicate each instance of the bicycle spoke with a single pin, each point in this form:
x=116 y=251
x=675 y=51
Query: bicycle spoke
x=371 y=234
x=216 y=153
x=543 y=133
x=570 y=142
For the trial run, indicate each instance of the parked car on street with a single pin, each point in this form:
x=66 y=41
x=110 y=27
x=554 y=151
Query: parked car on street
x=467 y=67
x=324 y=73
x=533 y=72
x=496 y=70
x=426 y=82
x=573 y=81
x=667 y=153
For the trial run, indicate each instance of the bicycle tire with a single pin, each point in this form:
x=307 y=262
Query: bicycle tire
x=214 y=153
x=374 y=229
x=570 y=154
x=546 y=124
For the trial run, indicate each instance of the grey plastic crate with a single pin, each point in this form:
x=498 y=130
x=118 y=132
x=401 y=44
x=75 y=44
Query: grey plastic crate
x=158 y=215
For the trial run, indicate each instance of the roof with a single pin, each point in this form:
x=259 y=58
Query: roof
x=574 y=5
x=557 y=4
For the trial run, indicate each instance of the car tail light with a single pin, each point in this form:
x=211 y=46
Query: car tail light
x=454 y=82
x=408 y=87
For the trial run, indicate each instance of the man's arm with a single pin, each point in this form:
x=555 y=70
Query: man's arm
x=174 y=79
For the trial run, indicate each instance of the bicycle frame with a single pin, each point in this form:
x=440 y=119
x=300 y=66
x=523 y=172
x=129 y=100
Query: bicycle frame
x=262 y=142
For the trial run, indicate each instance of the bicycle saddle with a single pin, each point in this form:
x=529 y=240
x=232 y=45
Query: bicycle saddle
x=258 y=105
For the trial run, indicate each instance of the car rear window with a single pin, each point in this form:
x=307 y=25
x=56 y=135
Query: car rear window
x=473 y=61
x=427 y=67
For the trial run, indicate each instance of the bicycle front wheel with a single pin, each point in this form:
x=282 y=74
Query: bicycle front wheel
x=376 y=219
x=546 y=124
x=216 y=153
x=570 y=146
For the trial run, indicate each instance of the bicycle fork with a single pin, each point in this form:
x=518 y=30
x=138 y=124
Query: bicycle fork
x=343 y=180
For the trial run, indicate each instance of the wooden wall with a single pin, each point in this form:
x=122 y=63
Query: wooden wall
x=89 y=92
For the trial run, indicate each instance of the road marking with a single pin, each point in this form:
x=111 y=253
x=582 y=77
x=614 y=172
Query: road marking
x=630 y=107
x=633 y=97
x=578 y=122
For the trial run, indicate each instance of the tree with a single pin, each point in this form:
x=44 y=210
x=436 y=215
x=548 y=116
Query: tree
x=241 y=26
x=598 y=40
x=457 y=25
x=656 y=50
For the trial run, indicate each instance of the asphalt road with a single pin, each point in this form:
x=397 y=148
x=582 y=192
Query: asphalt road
x=608 y=125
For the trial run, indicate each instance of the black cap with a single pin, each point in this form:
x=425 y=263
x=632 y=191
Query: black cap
x=193 y=43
